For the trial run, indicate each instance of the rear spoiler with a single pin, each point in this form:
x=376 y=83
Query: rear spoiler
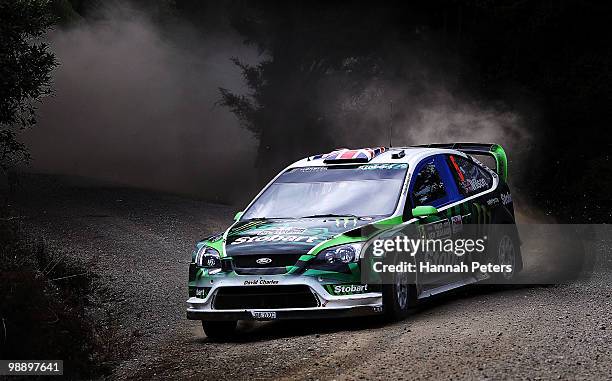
x=489 y=149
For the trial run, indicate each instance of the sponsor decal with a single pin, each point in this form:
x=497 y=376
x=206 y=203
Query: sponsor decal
x=201 y=292
x=476 y=184
x=312 y=169
x=277 y=238
x=370 y=167
x=260 y=282
x=493 y=201
x=506 y=198
x=281 y=231
x=438 y=229
x=346 y=289
x=288 y=234
x=457 y=223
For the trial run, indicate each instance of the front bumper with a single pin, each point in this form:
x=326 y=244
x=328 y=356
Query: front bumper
x=328 y=306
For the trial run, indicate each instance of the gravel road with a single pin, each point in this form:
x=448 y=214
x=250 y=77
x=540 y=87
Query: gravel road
x=140 y=242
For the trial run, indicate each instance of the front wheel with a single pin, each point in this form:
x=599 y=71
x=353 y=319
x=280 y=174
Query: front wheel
x=218 y=330
x=399 y=296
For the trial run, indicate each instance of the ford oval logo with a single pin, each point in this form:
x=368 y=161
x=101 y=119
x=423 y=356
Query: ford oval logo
x=263 y=261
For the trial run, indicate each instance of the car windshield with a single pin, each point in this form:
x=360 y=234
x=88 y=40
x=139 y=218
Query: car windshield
x=357 y=190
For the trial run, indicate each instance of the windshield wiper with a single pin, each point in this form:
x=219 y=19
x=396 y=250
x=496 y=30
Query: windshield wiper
x=330 y=215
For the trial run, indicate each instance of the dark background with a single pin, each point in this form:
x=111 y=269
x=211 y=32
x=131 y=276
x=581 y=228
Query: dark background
x=546 y=61
x=210 y=99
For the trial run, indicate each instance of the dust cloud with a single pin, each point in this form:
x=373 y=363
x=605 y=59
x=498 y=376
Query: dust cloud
x=420 y=113
x=134 y=104
x=428 y=104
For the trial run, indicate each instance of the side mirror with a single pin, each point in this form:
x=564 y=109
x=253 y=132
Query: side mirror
x=238 y=215
x=424 y=211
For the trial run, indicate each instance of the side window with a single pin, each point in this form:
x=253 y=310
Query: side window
x=470 y=177
x=428 y=185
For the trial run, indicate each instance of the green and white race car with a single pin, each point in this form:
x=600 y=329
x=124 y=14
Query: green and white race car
x=298 y=250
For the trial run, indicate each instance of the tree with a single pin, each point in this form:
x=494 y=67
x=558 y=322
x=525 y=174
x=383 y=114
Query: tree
x=329 y=70
x=303 y=46
x=25 y=72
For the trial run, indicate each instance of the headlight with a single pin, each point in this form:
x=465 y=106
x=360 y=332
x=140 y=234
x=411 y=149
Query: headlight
x=208 y=257
x=341 y=254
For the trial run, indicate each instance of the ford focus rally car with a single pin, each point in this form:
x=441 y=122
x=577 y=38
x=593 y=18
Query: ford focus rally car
x=296 y=251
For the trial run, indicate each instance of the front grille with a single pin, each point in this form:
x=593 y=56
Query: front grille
x=277 y=260
x=264 y=297
x=247 y=264
x=262 y=271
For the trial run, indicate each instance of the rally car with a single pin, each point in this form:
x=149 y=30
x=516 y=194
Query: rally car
x=297 y=250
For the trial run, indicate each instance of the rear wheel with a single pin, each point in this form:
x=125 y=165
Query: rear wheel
x=217 y=330
x=504 y=251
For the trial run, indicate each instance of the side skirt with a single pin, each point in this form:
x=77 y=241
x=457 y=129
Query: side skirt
x=451 y=286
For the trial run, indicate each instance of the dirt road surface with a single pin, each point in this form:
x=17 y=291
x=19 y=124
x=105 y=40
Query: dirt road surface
x=139 y=244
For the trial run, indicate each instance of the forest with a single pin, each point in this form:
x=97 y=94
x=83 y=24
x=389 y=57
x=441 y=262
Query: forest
x=339 y=73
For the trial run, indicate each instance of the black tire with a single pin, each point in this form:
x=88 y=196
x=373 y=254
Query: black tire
x=219 y=330
x=504 y=250
x=399 y=296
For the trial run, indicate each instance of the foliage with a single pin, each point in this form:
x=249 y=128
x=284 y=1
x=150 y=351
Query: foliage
x=45 y=299
x=303 y=46
x=25 y=67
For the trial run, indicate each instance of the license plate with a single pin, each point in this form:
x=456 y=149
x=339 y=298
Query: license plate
x=264 y=315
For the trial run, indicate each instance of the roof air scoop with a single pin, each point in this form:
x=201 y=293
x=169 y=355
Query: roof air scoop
x=344 y=155
x=398 y=155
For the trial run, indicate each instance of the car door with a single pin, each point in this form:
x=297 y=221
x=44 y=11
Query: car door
x=472 y=215
x=431 y=185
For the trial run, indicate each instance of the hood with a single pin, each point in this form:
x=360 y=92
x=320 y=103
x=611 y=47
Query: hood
x=286 y=236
